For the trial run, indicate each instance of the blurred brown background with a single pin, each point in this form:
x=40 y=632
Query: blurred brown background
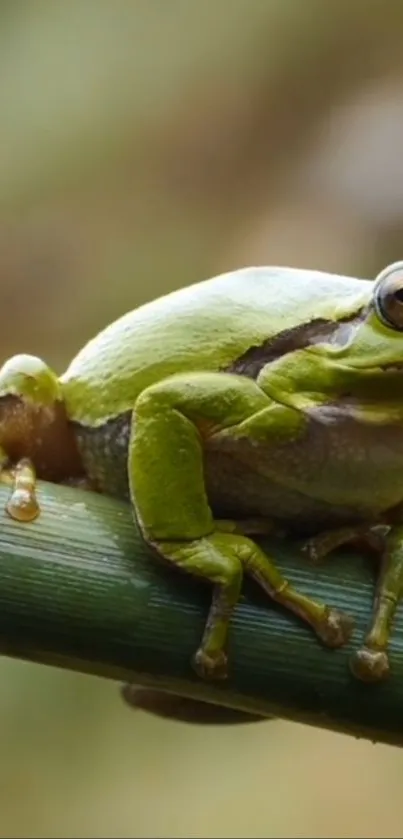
x=145 y=145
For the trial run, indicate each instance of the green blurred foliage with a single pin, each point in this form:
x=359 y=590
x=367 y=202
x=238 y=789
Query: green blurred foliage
x=146 y=145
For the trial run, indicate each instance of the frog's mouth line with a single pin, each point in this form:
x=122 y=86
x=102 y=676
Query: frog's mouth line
x=375 y=369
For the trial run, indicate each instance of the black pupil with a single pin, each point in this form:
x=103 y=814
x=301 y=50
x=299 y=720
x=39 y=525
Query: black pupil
x=398 y=295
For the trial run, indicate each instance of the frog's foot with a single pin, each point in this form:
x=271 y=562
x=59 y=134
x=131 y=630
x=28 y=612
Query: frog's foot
x=335 y=628
x=22 y=504
x=370 y=665
x=210 y=666
x=366 y=536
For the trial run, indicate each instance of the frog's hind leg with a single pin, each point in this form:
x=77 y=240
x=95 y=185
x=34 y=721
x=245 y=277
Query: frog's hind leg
x=371 y=662
x=166 y=476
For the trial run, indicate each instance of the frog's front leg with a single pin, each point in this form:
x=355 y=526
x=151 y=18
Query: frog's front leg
x=371 y=663
x=171 y=421
x=360 y=536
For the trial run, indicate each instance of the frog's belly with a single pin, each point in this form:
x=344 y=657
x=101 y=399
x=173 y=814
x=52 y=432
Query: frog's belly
x=340 y=470
x=235 y=490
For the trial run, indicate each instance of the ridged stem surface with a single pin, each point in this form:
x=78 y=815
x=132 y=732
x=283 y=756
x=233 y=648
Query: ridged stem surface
x=79 y=589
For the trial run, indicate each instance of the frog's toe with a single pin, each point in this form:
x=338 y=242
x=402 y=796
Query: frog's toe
x=315 y=549
x=336 y=628
x=370 y=665
x=209 y=666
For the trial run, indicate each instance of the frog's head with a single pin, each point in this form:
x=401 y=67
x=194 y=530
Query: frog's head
x=33 y=421
x=365 y=352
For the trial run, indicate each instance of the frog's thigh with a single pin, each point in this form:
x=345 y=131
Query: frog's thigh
x=166 y=447
x=169 y=496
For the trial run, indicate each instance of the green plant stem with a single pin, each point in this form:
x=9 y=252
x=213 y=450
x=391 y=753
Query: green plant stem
x=80 y=590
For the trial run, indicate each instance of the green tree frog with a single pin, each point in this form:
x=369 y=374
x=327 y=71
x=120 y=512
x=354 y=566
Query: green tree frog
x=263 y=395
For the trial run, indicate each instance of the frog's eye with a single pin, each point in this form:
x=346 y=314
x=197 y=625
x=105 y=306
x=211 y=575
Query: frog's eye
x=388 y=296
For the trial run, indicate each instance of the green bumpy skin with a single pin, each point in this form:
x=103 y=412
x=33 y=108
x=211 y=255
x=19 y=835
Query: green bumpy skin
x=265 y=395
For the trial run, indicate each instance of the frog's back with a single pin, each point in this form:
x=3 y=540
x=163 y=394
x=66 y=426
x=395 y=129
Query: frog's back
x=203 y=327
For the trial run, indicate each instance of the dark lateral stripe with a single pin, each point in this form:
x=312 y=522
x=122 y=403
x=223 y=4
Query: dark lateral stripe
x=251 y=362
x=118 y=424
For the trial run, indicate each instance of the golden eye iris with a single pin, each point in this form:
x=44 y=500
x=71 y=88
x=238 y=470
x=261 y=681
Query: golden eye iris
x=388 y=296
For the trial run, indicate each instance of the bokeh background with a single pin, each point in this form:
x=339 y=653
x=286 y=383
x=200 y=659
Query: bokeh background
x=146 y=145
